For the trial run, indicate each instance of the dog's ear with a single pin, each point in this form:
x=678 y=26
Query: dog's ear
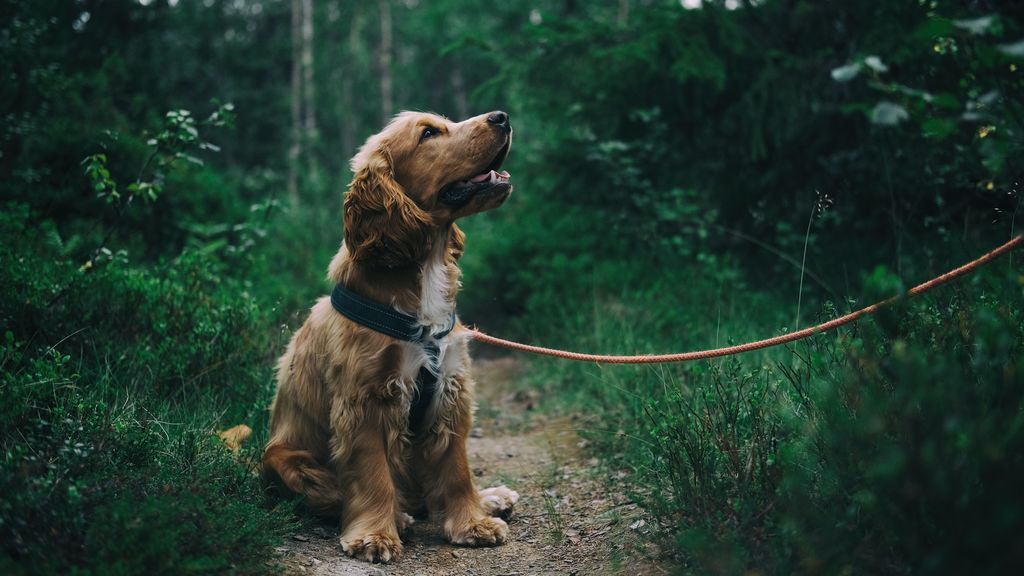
x=456 y=244
x=383 y=226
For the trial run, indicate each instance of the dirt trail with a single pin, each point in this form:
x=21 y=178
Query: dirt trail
x=567 y=522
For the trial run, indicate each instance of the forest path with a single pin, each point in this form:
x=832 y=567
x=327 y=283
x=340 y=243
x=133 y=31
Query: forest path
x=567 y=521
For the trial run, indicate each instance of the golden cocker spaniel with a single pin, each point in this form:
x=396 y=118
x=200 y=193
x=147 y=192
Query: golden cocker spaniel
x=374 y=398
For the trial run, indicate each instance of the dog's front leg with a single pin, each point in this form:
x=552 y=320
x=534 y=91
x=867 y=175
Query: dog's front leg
x=371 y=506
x=448 y=484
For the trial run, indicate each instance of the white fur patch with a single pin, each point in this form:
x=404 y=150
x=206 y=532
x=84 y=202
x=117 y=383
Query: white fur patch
x=435 y=313
x=413 y=358
x=451 y=361
x=435 y=287
x=498 y=501
x=455 y=362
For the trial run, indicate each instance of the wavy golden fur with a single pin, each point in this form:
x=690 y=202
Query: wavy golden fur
x=339 y=432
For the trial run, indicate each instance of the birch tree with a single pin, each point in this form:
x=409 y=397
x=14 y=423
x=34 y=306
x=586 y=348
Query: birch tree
x=295 y=149
x=311 y=135
x=384 y=62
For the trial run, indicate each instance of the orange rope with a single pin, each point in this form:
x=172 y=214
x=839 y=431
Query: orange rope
x=749 y=346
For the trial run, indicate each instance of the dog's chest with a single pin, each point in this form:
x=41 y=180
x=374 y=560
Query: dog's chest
x=446 y=362
x=429 y=366
x=438 y=279
x=429 y=375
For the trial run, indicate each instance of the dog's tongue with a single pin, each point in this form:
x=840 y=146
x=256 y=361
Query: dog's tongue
x=489 y=175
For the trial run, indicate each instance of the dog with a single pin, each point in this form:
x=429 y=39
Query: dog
x=374 y=397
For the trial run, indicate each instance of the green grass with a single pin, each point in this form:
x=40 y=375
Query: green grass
x=889 y=447
x=892 y=446
x=113 y=385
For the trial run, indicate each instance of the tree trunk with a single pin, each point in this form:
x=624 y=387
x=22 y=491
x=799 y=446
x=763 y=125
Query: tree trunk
x=384 y=62
x=295 y=149
x=348 y=115
x=459 y=90
x=309 y=89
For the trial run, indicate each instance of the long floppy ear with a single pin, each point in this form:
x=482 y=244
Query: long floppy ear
x=456 y=244
x=383 y=226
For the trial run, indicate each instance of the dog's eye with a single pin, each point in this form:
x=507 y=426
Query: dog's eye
x=428 y=132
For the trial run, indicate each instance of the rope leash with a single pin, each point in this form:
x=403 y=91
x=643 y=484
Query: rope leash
x=1012 y=244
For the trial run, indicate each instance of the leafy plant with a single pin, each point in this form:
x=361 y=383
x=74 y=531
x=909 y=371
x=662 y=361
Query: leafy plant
x=173 y=143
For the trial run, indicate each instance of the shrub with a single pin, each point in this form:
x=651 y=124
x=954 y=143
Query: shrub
x=909 y=455
x=113 y=382
x=893 y=447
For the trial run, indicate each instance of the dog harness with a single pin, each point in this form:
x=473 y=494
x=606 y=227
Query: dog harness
x=391 y=322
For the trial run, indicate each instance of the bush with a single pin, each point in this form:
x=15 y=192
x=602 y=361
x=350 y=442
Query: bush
x=113 y=383
x=891 y=448
x=910 y=451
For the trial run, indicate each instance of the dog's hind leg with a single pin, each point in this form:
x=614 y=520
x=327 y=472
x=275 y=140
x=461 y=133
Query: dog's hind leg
x=296 y=455
x=301 y=473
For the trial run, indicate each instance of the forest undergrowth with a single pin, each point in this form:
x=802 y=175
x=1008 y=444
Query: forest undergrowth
x=171 y=176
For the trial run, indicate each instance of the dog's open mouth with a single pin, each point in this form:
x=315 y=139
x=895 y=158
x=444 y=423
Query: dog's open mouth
x=492 y=179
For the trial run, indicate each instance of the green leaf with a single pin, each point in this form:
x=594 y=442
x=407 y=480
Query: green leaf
x=947 y=100
x=846 y=73
x=888 y=114
x=189 y=158
x=978 y=26
x=938 y=128
x=876 y=64
x=935 y=27
x=993 y=153
x=1014 y=49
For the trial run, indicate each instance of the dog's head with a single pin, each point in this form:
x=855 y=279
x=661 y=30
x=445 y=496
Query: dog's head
x=419 y=175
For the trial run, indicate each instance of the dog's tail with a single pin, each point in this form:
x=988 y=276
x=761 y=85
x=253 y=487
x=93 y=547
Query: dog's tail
x=301 y=473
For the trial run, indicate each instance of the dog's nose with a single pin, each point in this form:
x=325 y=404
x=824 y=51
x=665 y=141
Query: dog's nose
x=499 y=118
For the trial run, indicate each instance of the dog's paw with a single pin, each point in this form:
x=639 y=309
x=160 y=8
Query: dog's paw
x=372 y=547
x=403 y=521
x=498 y=501
x=479 y=532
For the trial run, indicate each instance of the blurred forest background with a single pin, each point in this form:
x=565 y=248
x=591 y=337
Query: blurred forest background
x=687 y=174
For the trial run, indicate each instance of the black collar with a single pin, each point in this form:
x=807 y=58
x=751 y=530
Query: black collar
x=384 y=319
x=391 y=322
